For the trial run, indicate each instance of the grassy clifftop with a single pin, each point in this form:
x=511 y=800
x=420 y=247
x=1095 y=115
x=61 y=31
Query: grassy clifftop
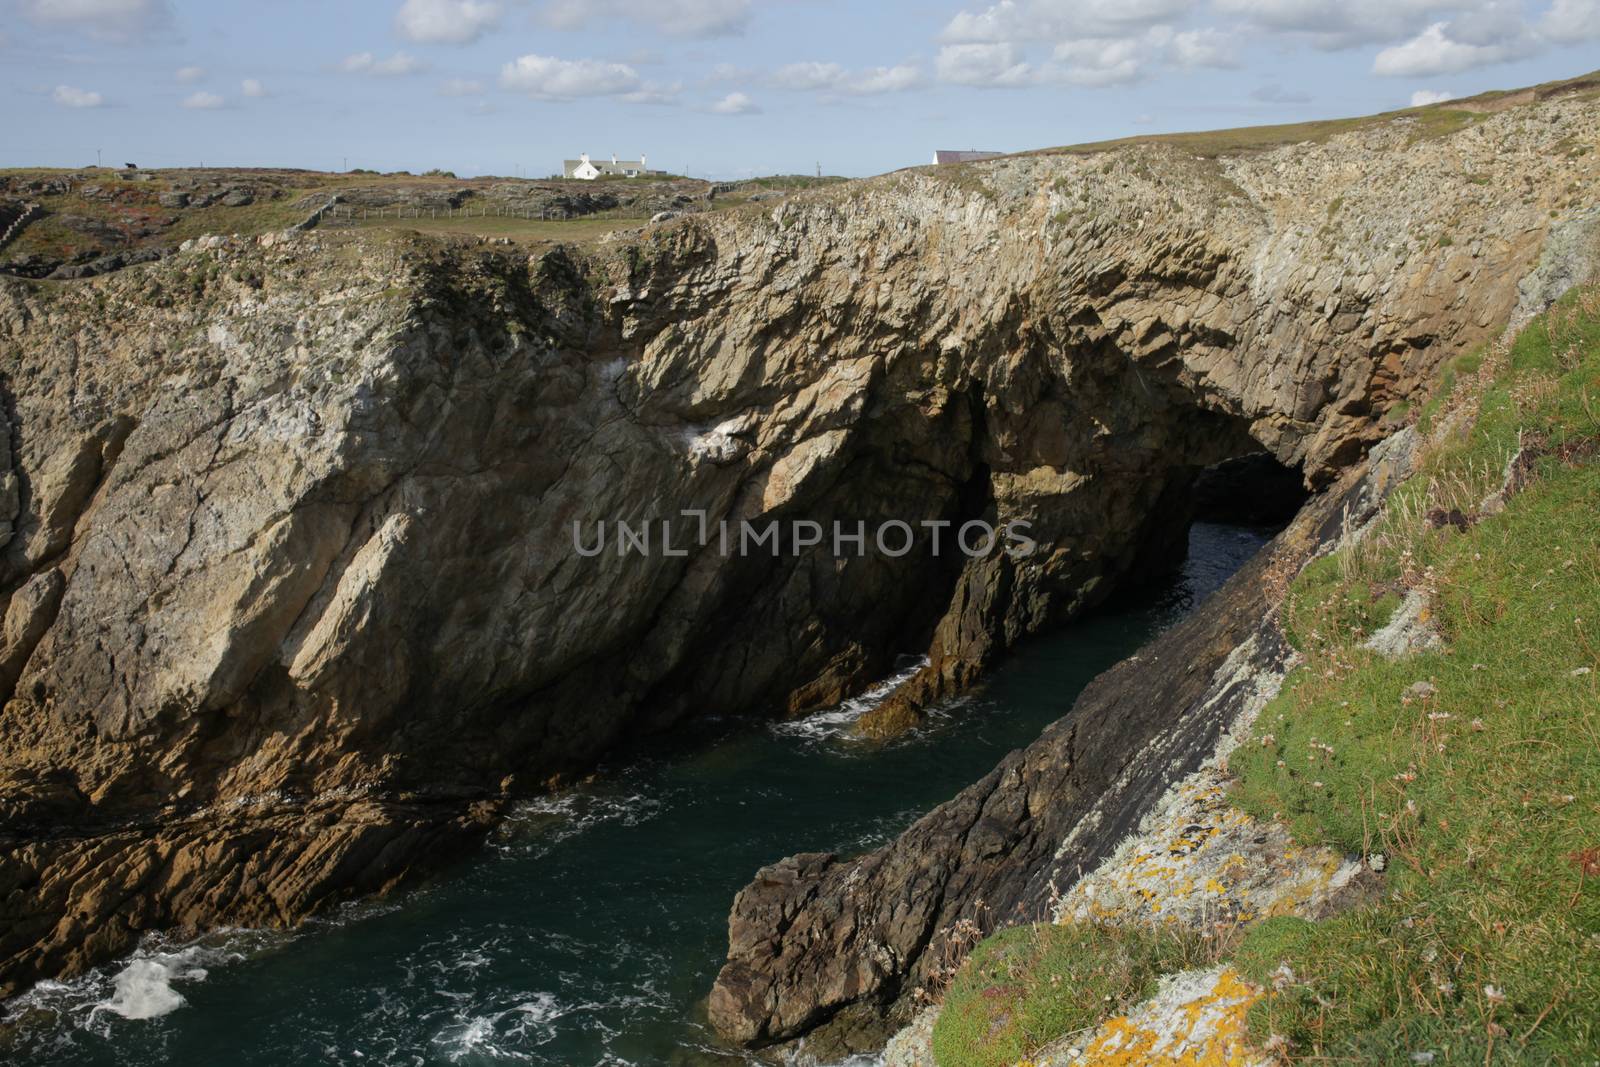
x=1473 y=767
x=1443 y=728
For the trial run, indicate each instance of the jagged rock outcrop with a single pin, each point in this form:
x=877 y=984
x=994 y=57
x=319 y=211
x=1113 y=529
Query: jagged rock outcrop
x=291 y=598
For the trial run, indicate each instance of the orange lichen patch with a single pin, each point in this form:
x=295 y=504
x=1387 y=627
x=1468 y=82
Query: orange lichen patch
x=1197 y=1020
x=1199 y=862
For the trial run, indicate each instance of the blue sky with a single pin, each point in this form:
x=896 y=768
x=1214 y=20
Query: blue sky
x=725 y=88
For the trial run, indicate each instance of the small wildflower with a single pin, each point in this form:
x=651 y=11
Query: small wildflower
x=1378 y=861
x=1447 y=988
x=1477 y=725
x=1439 y=716
x=1283 y=977
x=1493 y=994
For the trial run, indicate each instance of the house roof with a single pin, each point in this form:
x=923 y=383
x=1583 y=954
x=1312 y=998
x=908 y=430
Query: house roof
x=945 y=155
x=605 y=166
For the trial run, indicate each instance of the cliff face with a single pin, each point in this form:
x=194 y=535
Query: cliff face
x=291 y=598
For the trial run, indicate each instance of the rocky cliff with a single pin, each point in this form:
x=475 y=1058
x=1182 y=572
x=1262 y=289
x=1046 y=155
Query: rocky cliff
x=291 y=597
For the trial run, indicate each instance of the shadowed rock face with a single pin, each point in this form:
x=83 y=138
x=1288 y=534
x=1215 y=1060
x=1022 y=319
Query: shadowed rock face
x=291 y=603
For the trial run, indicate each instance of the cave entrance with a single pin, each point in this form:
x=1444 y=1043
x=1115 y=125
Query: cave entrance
x=1253 y=489
x=1249 y=489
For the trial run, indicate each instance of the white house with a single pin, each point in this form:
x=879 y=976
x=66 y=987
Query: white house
x=588 y=170
x=968 y=156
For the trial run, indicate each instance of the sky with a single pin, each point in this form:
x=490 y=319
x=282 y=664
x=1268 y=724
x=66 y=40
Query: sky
x=724 y=88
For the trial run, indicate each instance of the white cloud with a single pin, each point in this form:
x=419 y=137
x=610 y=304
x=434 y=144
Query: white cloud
x=396 y=65
x=1096 y=42
x=1096 y=62
x=106 y=19
x=987 y=65
x=445 y=21
x=1439 y=50
x=1424 y=97
x=67 y=96
x=190 y=75
x=253 y=88
x=1345 y=24
x=885 y=80
x=1570 y=21
x=461 y=87
x=681 y=18
x=203 y=101
x=1204 y=48
x=832 y=77
x=1277 y=94
x=809 y=76
x=657 y=95
x=1023 y=21
x=736 y=104
x=547 y=76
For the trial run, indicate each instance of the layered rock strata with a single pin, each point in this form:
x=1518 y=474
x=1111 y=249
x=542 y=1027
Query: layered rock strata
x=290 y=591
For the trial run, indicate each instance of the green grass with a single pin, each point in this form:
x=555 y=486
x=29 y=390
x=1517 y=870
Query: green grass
x=564 y=231
x=300 y=192
x=1428 y=122
x=1028 y=985
x=793 y=181
x=1483 y=795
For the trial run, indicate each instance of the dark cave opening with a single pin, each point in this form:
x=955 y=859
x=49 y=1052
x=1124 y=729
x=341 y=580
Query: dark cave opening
x=1249 y=490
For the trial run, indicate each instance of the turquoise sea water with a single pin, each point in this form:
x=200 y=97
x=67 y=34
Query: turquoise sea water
x=591 y=928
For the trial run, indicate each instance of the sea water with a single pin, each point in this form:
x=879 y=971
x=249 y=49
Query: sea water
x=590 y=929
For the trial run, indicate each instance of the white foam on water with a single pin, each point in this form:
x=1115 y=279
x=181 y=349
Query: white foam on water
x=837 y=721
x=513 y=1034
x=141 y=987
x=560 y=816
x=144 y=991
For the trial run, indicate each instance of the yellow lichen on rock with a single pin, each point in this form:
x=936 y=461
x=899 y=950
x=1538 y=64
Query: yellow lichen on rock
x=1197 y=1019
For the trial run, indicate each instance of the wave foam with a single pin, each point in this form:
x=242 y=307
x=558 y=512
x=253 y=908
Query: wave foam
x=837 y=720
